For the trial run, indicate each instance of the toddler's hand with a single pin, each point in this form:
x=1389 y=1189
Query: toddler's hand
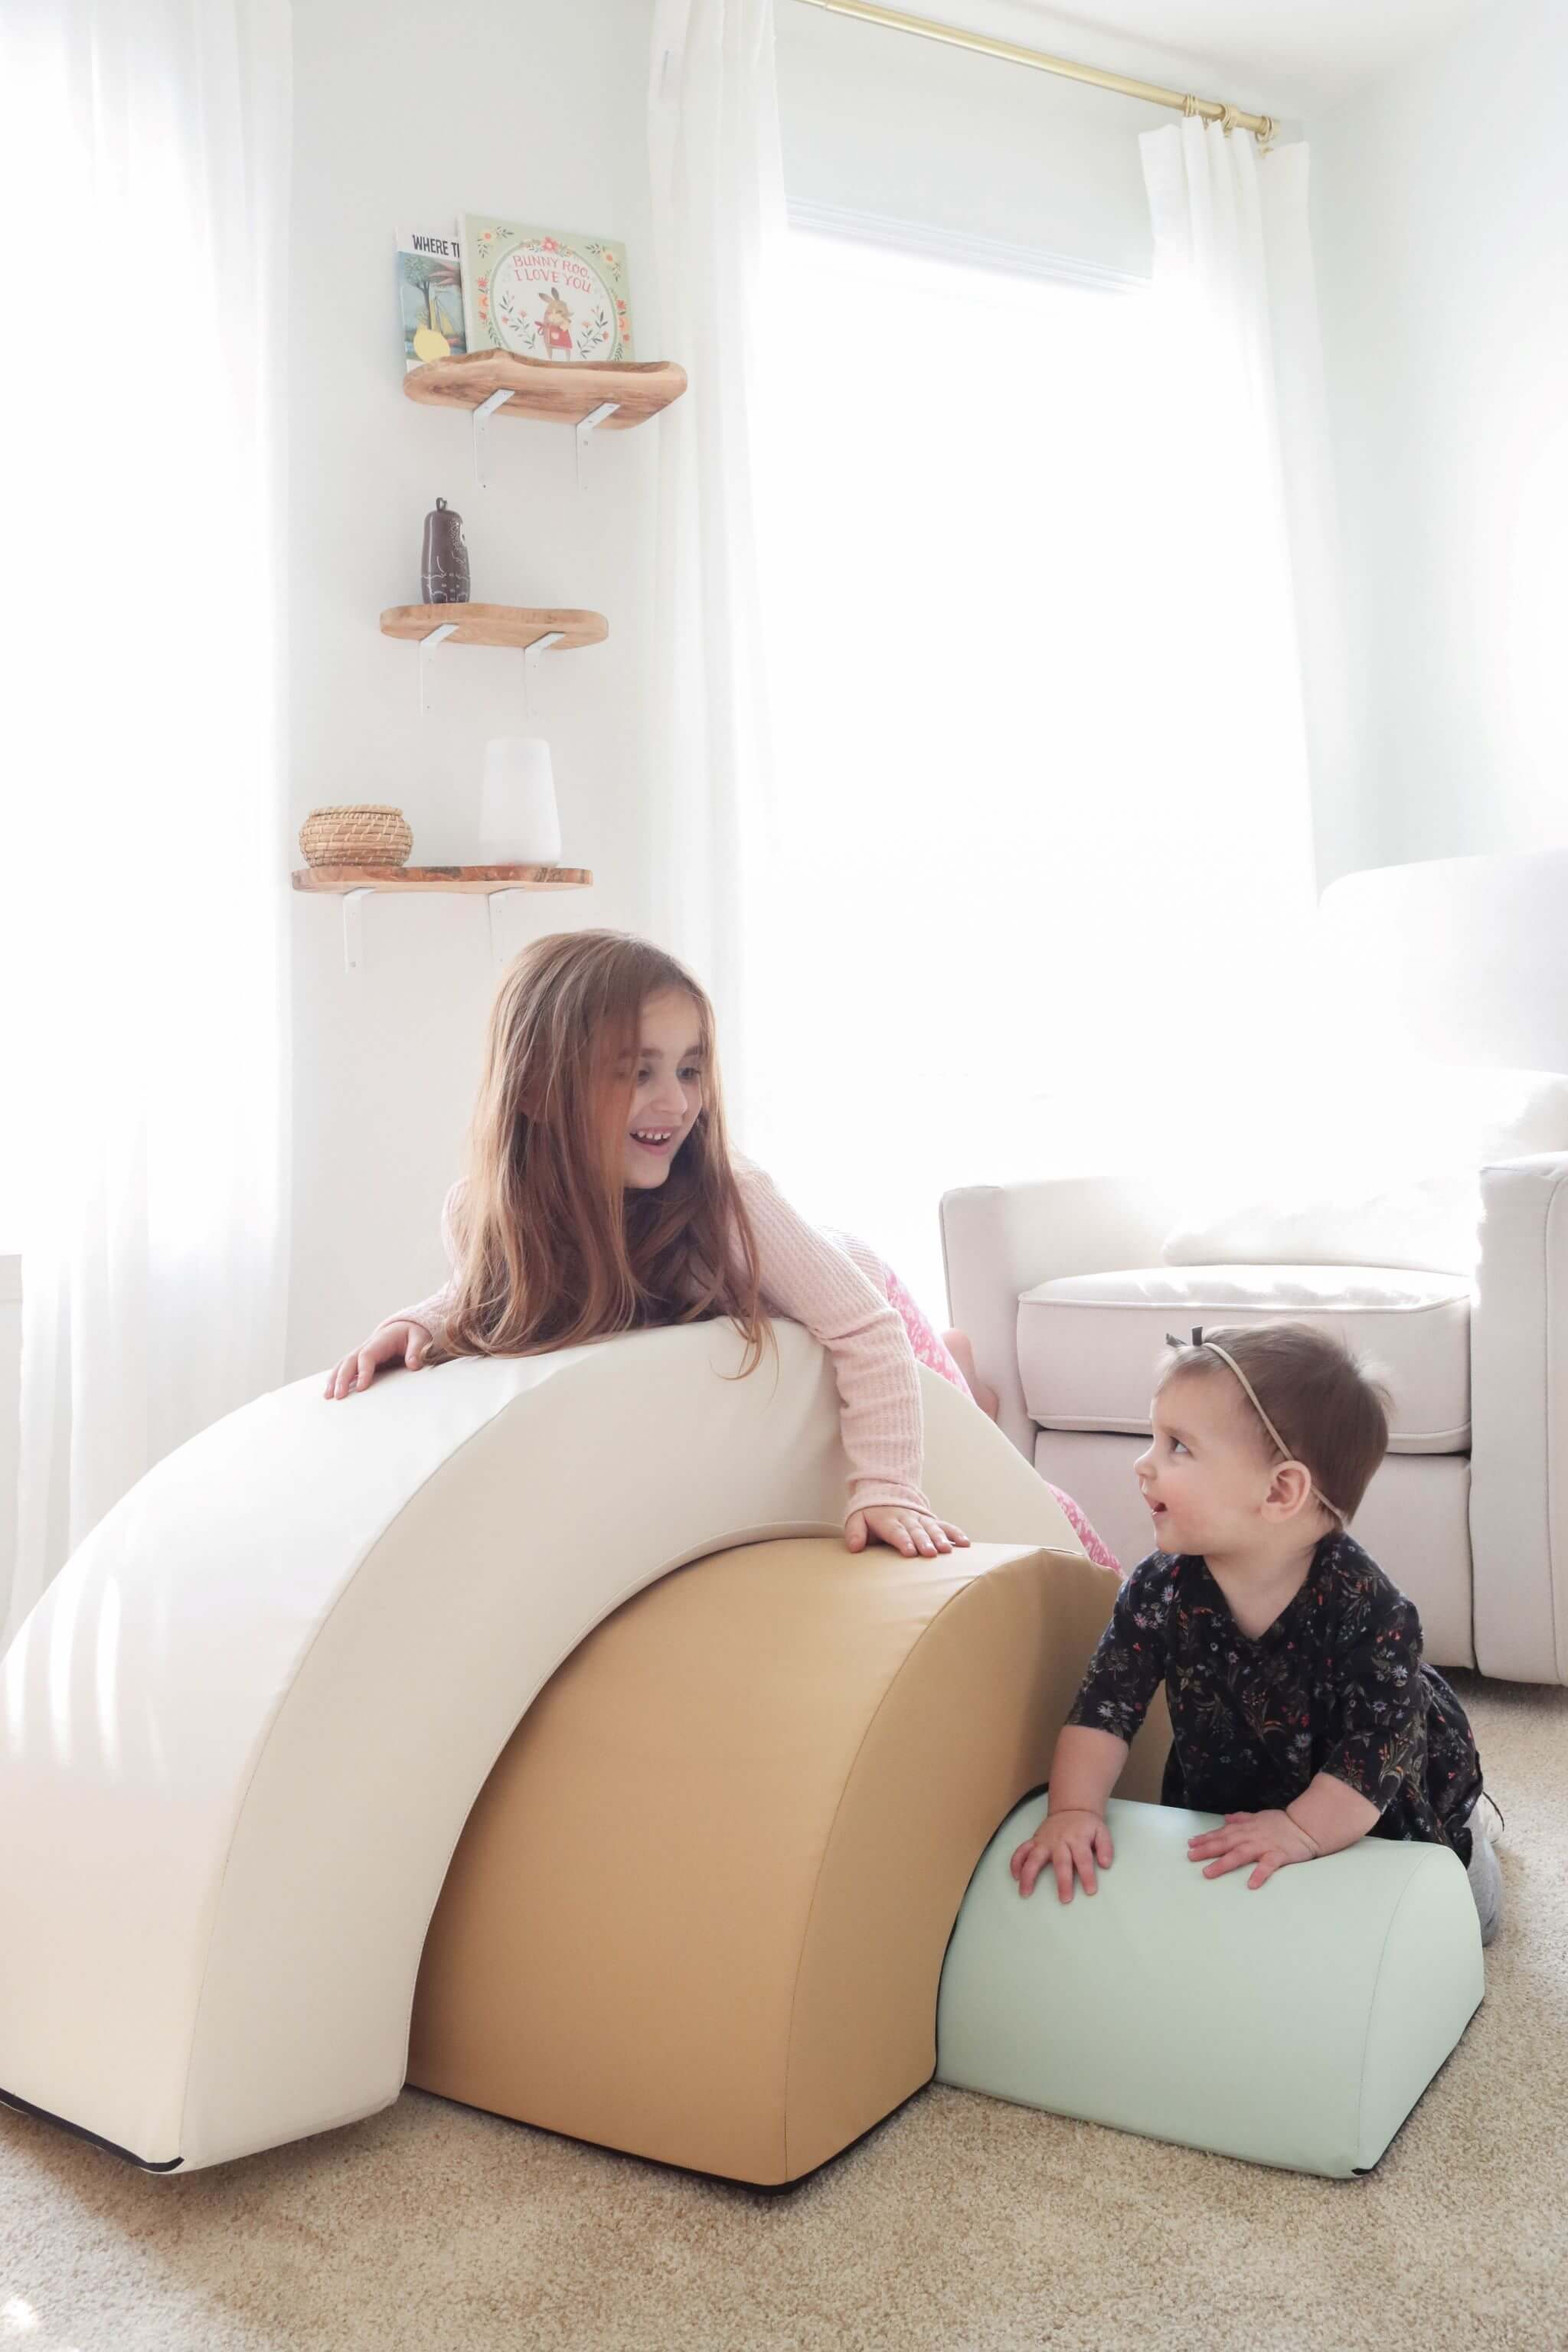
x=360 y=1366
x=1270 y=1839
x=1074 y=1839
x=907 y=1531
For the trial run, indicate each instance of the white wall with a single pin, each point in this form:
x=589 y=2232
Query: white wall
x=405 y=116
x=1441 y=202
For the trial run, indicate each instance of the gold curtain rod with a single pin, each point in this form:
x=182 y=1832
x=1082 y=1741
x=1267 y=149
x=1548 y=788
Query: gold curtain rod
x=1211 y=109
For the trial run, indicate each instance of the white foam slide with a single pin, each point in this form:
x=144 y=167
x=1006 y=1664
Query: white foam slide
x=241 y=1732
x=1295 y=2025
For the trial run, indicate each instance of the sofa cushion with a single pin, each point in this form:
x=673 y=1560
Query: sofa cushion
x=1394 y=1180
x=1431 y=1221
x=1088 y=1344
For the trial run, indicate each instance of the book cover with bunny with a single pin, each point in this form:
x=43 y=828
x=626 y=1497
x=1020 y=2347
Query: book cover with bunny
x=544 y=293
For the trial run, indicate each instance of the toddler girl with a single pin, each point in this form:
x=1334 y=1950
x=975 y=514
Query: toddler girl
x=602 y=1197
x=1300 y=1706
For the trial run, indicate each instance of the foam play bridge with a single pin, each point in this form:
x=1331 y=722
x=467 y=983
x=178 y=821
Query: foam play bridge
x=241 y=1732
x=522 y=1730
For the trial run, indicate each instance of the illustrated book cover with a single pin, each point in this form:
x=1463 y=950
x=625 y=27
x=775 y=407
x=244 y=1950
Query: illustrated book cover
x=431 y=295
x=544 y=293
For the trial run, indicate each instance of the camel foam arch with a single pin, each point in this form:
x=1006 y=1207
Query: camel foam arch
x=241 y=1732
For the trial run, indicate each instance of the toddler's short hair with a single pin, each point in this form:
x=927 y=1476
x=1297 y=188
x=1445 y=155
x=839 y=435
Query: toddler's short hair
x=1330 y=1413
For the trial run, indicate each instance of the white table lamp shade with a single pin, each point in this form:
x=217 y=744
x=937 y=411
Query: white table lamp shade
x=519 y=822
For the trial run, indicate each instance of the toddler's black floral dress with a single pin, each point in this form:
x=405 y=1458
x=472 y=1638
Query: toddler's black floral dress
x=1337 y=1683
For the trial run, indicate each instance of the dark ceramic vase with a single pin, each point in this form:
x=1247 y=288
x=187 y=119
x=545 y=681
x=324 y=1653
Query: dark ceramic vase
x=444 y=566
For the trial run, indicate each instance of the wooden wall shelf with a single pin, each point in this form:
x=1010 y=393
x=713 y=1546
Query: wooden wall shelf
x=475 y=879
x=516 y=625
x=354 y=884
x=561 y=392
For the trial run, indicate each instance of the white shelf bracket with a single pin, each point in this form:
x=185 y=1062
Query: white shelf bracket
x=427 y=648
x=539 y=646
x=354 y=928
x=595 y=416
x=497 y=900
x=483 y=415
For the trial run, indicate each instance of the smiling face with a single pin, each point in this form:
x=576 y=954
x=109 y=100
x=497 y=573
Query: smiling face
x=1211 y=1479
x=666 y=1075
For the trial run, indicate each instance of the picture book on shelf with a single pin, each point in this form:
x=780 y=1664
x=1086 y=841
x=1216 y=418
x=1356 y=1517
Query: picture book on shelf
x=431 y=295
x=544 y=293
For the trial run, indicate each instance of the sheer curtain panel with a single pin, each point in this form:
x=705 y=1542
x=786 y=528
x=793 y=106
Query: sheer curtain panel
x=146 y=142
x=718 y=225
x=1044 y=894
x=1233 y=258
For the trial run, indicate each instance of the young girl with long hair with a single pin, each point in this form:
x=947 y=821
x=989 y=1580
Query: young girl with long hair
x=602 y=1197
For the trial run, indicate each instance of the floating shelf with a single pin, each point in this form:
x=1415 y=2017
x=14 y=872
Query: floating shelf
x=476 y=879
x=354 y=884
x=495 y=625
x=561 y=392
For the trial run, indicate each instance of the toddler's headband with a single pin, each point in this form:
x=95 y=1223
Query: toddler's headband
x=1226 y=1358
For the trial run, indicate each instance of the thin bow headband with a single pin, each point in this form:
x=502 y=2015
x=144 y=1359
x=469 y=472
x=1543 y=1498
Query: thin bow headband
x=1224 y=1356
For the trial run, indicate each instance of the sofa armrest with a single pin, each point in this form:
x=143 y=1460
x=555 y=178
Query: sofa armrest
x=1519 y=1420
x=999 y=1240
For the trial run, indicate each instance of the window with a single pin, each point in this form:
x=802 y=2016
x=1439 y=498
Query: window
x=1023 y=686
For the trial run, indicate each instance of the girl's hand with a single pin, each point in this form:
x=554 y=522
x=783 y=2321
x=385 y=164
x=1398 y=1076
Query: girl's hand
x=907 y=1531
x=1073 y=1840
x=360 y=1367
x=1270 y=1839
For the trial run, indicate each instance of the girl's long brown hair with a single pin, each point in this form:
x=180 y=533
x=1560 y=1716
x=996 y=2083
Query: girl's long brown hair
x=553 y=1247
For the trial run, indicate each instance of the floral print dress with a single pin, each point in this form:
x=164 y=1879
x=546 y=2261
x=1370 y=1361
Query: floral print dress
x=1337 y=1684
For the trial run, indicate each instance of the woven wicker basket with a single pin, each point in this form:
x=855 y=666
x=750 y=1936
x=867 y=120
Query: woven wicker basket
x=364 y=835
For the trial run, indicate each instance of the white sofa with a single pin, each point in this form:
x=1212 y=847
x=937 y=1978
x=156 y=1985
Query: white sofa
x=1067 y=1285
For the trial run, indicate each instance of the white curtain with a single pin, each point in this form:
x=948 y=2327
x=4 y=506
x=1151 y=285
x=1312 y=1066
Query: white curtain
x=718 y=223
x=1042 y=895
x=147 y=142
x=1233 y=257
x=1014 y=868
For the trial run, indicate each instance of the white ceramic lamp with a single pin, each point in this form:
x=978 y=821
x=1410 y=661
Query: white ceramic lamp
x=519 y=822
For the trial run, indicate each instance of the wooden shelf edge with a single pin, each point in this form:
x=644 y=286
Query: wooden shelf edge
x=475 y=880
x=556 y=392
x=517 y=626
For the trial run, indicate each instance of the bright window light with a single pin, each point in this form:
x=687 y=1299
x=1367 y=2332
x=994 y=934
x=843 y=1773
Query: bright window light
x=1041 y=832
x=137 y=943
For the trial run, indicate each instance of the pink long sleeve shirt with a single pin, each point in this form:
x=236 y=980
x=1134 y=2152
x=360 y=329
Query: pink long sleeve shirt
x=806 y=1279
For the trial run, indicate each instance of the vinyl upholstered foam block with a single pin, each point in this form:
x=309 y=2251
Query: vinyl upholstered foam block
x=1296 y=2025
x=699 y=1911
x=241 y=1731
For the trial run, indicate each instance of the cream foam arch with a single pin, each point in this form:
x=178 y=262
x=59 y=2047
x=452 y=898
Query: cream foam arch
x=241 y=1732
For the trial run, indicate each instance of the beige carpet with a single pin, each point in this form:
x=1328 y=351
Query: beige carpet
x=961 y=2223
